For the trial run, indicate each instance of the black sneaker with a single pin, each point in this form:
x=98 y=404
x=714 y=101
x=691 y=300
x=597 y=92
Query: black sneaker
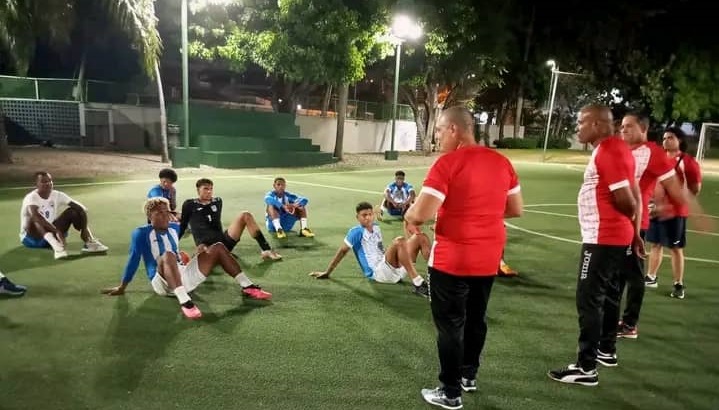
x=422 y=290
x=678 y=291
x=437 y=397
x=11 y=289
x=651 y=282
x=576 y=375
x=607 y=359
x=468 y=384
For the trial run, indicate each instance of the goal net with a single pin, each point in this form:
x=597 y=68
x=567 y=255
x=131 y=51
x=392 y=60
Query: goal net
x=708 y=145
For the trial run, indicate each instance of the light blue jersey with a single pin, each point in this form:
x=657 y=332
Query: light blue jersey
x=149 y=245
x=287 y=220
x=398 y=194
x=367 y=247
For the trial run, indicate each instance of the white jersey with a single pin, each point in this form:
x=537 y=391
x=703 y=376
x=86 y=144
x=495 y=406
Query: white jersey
x=49 y=208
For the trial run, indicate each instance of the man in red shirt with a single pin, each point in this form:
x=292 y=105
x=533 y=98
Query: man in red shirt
x=670 y=229
x=467 y=248
x=652 y=166
x=609 y=217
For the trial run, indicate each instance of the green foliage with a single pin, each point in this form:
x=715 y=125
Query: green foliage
x=517 y=143
x=329 y=41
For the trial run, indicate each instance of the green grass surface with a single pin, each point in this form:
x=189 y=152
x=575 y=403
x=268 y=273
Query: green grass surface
x=343 y=343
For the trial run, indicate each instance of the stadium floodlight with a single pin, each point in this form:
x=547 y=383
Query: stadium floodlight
x=554 y=67
x=403 y=29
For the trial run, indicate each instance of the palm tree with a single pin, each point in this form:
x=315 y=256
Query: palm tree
x=22 y=22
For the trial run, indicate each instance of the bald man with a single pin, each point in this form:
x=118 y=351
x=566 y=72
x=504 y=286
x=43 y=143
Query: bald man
x=610 y=218
x=463 y=263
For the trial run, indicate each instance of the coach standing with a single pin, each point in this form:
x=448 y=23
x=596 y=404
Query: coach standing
x=470 y=189
x=609 y=216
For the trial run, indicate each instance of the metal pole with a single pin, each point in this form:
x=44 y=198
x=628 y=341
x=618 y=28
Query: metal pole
x=398 y=51
x=185 y=79
x=555 y=78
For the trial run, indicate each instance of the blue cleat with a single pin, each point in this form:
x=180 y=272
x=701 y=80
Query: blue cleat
x=11 y=289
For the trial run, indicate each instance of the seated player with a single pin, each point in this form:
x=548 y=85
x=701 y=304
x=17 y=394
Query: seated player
x=204 y=217
x=157 y=245
x=10 y=289
x=398 y=196
x=390 y=266
x=42 y=225
x=166 y=189
x=284 y=209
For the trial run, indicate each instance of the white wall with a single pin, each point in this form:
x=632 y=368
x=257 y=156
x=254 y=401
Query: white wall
x=360 y=135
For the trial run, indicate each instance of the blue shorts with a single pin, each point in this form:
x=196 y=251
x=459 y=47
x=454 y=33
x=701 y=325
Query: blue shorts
x=37 y=243
x=670 y=233
x=287 y=222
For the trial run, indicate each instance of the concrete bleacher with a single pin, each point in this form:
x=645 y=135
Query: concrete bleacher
x=228 y=137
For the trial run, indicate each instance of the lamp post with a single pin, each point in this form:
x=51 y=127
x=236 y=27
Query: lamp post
x=552 y=94
x=185 y=79
x=403 y=28
x=186 y=66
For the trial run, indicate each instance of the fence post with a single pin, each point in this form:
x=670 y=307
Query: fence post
x=37 y=89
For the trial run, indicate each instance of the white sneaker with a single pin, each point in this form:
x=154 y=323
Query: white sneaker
x=61 y=254
x=270 y=255
x=94 y=246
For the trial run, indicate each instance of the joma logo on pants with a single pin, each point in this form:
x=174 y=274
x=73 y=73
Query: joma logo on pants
x=585 y=265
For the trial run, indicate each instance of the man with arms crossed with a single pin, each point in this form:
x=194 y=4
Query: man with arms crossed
x=609 y=216
x=469 y=238
x=652 y=166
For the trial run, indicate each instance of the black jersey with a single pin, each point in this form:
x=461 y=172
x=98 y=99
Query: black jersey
x=204 y=219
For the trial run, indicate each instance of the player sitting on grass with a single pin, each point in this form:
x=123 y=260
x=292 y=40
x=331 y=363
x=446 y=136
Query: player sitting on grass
x=398 y=196
x=157 y=244
x=284 y=209
x=204 y=216
x=390 y=266
x=10 y=289
x=166 y=189
x=43 y=225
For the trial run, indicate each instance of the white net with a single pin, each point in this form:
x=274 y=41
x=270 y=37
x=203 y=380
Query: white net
x=708 y=145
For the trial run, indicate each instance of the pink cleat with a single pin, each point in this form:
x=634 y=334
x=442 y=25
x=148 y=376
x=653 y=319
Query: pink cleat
x=191 y=313
x=256 y=292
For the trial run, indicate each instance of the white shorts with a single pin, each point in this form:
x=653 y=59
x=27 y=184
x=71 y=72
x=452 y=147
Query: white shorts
x=385 y=273
x=189 y=274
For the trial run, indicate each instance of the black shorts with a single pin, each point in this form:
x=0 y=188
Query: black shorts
x=223 y=238
x=671 y=233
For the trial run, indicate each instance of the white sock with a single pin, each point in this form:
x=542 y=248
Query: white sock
x=303 y=223
x=276 y=224
x=181 y=294
x=52 y=240
x=243 y=280
x=652 y=277
x=1 y=275
x=418 y=281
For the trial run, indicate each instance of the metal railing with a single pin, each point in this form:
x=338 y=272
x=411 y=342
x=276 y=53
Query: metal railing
x=66 y=89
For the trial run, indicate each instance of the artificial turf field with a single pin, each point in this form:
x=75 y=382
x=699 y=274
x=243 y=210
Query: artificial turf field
x=343 y=343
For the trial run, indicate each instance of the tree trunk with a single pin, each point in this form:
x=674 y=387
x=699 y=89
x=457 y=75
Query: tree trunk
x=80 y=89
x=520 y=91
x=434 y=109
x=163 y=116
x=501 y=115
x=5 y=155
x=341 y=115
x=326 y=100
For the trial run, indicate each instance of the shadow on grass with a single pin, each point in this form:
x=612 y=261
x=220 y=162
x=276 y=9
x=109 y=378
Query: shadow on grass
x=294 y=241
x=397 y=297
x=135 y=339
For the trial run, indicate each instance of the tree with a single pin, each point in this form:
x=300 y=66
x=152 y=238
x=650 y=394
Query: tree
x=463 y=53
x=299 y=43
x=23 y=22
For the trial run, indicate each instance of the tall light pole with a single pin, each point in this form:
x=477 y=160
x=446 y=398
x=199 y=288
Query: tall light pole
x=186 y=65
x=403 y=28
x=552 y=93
x=185 y=80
